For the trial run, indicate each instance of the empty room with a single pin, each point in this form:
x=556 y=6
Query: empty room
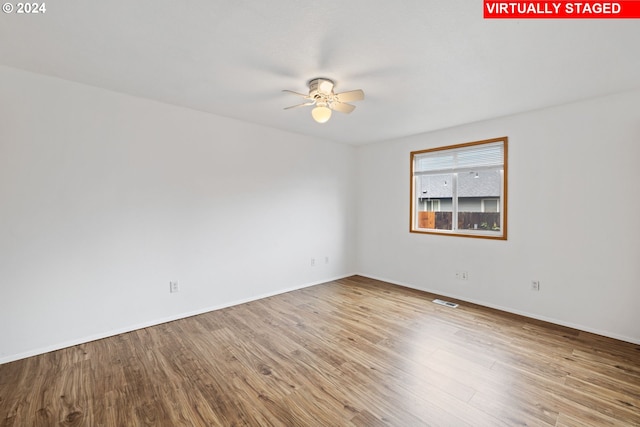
x=347 y=213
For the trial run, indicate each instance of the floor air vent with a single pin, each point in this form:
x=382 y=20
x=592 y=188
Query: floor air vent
x=447 y=303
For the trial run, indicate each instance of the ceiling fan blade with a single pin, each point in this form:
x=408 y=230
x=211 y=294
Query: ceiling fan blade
x=342 y=107
x=301 y=105
x=296 y=93
x=352 y=95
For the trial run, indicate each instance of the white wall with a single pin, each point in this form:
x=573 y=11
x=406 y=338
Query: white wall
x=574 y=224
x=105 y=198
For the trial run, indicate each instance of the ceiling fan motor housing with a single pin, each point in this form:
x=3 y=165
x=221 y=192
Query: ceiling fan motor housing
x=320 y=87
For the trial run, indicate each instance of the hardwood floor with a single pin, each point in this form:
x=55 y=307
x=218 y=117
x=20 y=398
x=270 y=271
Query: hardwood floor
x=354 y=352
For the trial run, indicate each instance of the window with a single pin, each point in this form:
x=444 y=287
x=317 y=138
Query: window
x=461 y=190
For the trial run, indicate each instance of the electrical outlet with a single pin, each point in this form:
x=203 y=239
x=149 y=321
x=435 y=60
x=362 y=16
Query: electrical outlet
x=462 y=275
x=313 y=262
x=535 y=285
x=174 y=287
x=326 y=260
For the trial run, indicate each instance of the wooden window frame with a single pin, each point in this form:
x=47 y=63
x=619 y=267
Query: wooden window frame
x=502 y=205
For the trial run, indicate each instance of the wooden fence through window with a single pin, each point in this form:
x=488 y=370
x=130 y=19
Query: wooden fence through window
x=466 y=220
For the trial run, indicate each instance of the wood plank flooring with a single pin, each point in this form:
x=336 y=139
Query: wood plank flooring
x=353 y=352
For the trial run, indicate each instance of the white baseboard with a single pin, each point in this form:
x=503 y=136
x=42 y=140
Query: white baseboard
x=511 y=310
x=155 y=322
x=113 y=332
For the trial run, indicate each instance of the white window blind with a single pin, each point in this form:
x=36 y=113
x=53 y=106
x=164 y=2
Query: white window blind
x=460 y=159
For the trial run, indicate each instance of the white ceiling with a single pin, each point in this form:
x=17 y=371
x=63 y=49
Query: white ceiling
x=423 y=65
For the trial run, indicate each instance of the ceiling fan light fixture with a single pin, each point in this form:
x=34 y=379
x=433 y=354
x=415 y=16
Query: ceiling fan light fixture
x=321 y=114
x=322 y=97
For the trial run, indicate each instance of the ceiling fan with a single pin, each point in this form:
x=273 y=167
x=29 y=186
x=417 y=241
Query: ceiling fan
x=321 y=95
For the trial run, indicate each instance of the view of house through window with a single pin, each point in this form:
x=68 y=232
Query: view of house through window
x=460 y=189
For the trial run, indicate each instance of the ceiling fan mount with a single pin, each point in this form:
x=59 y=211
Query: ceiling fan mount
x=324 y=100
x=320 y=87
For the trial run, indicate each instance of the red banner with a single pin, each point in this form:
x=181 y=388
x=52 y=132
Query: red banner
x=626 y=9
